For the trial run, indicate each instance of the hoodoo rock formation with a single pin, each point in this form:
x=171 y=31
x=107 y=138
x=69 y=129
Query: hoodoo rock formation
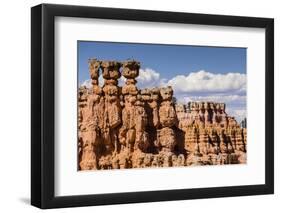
x=124 y=127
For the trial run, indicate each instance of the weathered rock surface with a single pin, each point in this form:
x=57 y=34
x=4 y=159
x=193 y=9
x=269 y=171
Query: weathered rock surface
x=124 y=127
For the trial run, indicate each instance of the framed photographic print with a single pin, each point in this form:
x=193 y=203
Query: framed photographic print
x=140 y=106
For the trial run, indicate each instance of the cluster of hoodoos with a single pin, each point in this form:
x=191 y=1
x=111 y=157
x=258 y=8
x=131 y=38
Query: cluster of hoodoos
x=124 y=127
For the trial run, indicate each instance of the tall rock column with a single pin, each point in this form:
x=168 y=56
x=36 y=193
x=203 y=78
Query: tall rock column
x=214 y=114
x=182 y=116
x=168 y=121
x=207 y=114
x=141 y=142
x=82 y=98
x=240 y=145
x=223 y=115
x=92 y=121
x=201 y=109
x=150 y=99
x=130 y=116
x=112 y=114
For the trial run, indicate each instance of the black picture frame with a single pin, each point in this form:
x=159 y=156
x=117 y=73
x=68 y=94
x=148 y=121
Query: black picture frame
x=43 y=102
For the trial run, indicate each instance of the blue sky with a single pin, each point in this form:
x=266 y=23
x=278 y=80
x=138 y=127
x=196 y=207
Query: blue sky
x=195 y=72
x=171 y=60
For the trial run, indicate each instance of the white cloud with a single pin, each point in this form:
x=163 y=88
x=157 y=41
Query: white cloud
x=203 y=81
x=148 y=78
x=148 y=75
